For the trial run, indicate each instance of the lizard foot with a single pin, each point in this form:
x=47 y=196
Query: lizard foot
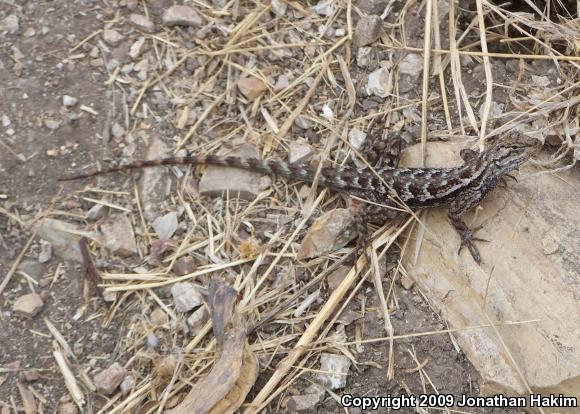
x=467 y=239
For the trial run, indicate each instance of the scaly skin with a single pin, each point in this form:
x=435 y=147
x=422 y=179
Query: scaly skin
x=457 y=188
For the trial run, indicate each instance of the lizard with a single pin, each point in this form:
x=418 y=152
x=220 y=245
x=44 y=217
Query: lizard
x=458 y=189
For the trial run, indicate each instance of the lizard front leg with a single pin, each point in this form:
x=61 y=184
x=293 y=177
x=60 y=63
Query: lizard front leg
x=466 y=236
x=454 y=213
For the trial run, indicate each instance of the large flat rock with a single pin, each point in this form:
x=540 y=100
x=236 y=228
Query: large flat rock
x=530 y=271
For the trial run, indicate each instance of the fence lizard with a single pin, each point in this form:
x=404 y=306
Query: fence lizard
x=458 y=189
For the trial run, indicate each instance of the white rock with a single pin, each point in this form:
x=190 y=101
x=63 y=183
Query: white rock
x=5 y=121
x=379 y=83
x=10 y=24
x=182 y=16
x=198 y=319
x=127 y=384
x=186 y=297
x=28 y=305
x=52 y=124
x=356 y=137
x=299 y=151
x=117 y=130
x=327 y=112
x=411 y=65
x=165 y=225
x=303 y=122
x=334 y=370
x=68 y=100
x=279 y=7
x=324 y=8
x=142 y=66
x=152 y=341
x=45 y=252
x=540 y=81
x=109 y=296
x=282 y=83
x=137 y=48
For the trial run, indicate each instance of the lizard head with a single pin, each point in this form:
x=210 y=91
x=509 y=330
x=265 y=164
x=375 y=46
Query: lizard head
x=507 y=153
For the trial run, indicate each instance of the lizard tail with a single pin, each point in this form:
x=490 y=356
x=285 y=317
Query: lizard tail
x=329 y=177
x=134 y=166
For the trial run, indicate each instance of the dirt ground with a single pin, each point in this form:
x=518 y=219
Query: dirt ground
x=39 y=64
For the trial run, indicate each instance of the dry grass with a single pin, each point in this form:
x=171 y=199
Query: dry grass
x=325 y=72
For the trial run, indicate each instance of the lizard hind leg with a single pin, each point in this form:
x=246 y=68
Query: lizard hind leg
x=384 y=151
x=365 y=213
x=363 y=240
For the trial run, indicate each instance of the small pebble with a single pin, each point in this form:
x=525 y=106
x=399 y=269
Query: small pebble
x=142 y=23
x=28 y=305
x=5 y=121
x=182 y=16
x=109 y=379
x=68 y=100
x=152 y=341
x=158 y=317
x=45 y=252
x=186 y=297
x=198 y=319
x=10 y=24
x=52 y=124
x=112 y=37
x=128 y=384
x=117 y=130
